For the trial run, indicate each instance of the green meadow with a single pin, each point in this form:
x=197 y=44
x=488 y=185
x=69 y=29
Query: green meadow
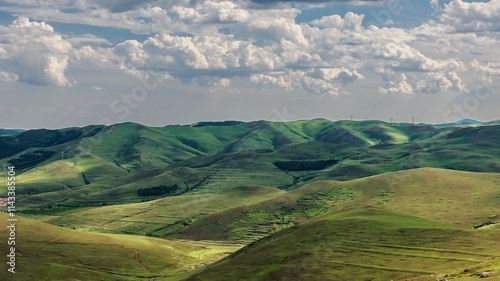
x=300 y=200
x=47 y=252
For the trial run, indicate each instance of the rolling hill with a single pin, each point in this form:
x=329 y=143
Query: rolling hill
x=405 y=225
x=243 y=214
x=99 y=165
x=363 y=244
x=52 y=253
x=463 y=122
x=301 y=200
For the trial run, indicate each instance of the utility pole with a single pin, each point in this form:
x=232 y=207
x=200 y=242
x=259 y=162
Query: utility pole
x=413 y=120
x=352 y=116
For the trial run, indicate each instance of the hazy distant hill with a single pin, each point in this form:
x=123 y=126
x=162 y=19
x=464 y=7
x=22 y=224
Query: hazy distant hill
x=463 y=122
x=5 y=132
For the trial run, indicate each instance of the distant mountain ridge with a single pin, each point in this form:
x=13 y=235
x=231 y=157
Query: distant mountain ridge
x=463 y=122
x=5 y=132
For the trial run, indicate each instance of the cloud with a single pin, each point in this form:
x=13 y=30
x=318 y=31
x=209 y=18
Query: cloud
x=397 y=84
x=355 y=2
x=119 y=5
x=488 y=71
x=33 y=53
x=211 y=12
x=441 y=82
x=434 y=4
x=323 y=81
x=351 y=21
x=471 y=17
x=193 y=41
x=286 y=56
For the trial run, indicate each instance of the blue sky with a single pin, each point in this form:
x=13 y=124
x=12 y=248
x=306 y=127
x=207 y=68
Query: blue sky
x=76 y=62
x=412 y=13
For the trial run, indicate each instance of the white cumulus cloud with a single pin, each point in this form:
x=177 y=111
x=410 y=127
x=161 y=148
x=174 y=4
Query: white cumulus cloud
x=34 y=53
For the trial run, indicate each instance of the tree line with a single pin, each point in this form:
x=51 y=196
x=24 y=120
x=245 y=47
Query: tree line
x=30 y=159
x=158 y=190
x=35 y=138
x=305 y=165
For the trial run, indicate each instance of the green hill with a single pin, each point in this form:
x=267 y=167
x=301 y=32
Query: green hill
x=46 y=252
x=98 y=165
x=362 y=244
x=243 y=214
x=164 y=217
x=408 y=225
x=459 y=199
x=309 y=200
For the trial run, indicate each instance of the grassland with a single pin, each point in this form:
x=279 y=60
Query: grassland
x=46 y=252
x=107 y=165
x=395 y=226
x=243 y=214
x=460 y=199
x=398 y=202
x=363 y=244
x=164 y=217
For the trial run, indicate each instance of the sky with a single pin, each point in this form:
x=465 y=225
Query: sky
x=68 y=63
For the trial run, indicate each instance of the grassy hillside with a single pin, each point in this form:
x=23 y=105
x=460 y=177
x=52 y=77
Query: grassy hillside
x=460 y=199
x=312 y=200
x=405 y=225
x=161 y=218
x=46 y=252
x=97 y=165
x=243 y=214
x=363 y=244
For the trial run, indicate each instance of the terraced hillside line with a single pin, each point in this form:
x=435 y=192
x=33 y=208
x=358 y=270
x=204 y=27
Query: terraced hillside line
x=68 y=257
x=230 y=147
x=352 y=249
x=422 y=249
x=89 y=267
x=381 y=267
x=127 y=216
x=180 y=222
x=203 y=180
x=337 y=247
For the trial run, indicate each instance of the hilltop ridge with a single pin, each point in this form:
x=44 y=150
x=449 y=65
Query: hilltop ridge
x=108 y=164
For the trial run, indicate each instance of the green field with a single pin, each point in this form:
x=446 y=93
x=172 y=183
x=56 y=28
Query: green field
x=394 y=226
x=363 y=244
x=301 y=200
x=46 y=252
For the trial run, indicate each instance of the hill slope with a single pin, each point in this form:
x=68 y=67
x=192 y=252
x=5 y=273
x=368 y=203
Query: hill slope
x=362 y=244
x=243 y=214
x=107 y=165
x=460 y=199
x=46 y=252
